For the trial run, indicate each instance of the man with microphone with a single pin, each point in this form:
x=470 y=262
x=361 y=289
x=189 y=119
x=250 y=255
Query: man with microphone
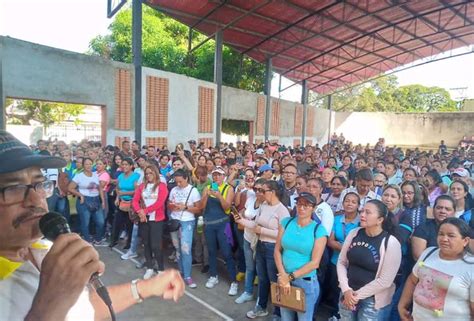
x=50 y=283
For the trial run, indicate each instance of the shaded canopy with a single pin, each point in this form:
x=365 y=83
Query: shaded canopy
x=330 y=44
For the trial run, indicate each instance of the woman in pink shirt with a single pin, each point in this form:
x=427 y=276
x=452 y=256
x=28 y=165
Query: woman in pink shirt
x=265 y=225
x=367 y=265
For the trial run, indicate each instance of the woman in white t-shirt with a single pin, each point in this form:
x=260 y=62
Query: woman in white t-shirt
x=255 y=198
x=149 y=202
x=441 y=285
x=184 y=205
x=91 y=203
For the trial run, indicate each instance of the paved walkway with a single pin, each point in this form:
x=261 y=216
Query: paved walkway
x=197 y=304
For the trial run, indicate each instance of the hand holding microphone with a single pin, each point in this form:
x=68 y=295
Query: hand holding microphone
x=68 y=267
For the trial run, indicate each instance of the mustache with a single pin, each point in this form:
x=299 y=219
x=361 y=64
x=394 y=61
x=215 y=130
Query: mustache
x=32 y=212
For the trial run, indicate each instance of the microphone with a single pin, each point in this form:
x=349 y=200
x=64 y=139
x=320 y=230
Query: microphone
x=52 y=225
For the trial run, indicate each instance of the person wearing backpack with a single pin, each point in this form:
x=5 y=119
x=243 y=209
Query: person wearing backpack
x=298 y=250
x=368 y=264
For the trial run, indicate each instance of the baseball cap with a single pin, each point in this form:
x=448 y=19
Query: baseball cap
x=308 y=197
x=192 y=141
x=15 y=156
x=265 y=167
x=460 y=172
x=260 y=151
x=219 y=170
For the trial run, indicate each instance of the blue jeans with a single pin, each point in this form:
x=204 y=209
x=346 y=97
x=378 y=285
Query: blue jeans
x=185 y=257
x=215 y=235
x=365 y=311
x=58 y=203
x=134 y=242
x=249 y=267
x=311 y=292
x=85 y=217
x=266 y=271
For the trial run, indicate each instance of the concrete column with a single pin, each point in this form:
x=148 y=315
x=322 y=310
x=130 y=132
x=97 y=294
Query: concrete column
x=304 y=101
x=137 y=64
x=268 y=89
x=218 y=81
x=330 y=117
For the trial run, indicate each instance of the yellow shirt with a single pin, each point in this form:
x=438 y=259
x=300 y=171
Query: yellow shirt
x=19 y=283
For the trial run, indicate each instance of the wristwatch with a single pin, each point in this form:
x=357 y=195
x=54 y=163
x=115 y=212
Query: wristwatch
x=134 y=290
x=291 y=276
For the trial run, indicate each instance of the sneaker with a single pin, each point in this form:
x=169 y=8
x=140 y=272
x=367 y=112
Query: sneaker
x=123 y=235
x=333 y=318
x=212 y=282
x=234 y=289
x=244 y=297
x=148 y=274
x=205 y=269
x=190 y=283
x=129 y=255
x=101 y=243
x=257 y=312
x=240 y=276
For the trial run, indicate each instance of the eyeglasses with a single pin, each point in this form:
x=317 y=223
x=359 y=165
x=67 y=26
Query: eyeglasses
x=304 y=206
x=259 y=190
x=18 y=193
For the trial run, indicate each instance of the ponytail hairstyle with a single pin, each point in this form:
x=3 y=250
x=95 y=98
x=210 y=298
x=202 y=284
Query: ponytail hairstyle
x=388 y=224
x=274 y=186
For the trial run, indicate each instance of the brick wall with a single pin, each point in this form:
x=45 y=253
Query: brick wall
x=310 y=122
x=123 y=99
x=157 y=93
x=157 y=141
x=275 y=118
x=207 y=141
x=260 y=130
x=120 y=139
x=298 y=126
x=206 y=110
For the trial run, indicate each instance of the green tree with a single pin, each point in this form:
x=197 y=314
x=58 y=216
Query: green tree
x=418 y=98
x=20 y=112
x=235 y=127
x=384 y=95
x=165 y=47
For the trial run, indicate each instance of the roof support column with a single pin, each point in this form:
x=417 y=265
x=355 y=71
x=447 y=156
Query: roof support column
x=267 y=91
x=330 y=117
x=137 y=64
x=218 y=82
x=304 y=101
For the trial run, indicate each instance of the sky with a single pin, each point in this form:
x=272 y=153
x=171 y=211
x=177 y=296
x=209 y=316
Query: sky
x=71 y=24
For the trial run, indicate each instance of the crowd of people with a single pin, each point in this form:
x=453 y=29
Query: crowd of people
x=372 y=232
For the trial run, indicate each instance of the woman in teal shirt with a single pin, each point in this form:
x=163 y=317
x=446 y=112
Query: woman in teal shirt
x=298 y=251
x=126 y=184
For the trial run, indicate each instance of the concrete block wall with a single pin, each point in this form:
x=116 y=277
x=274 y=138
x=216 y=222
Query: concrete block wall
x=182 y=107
